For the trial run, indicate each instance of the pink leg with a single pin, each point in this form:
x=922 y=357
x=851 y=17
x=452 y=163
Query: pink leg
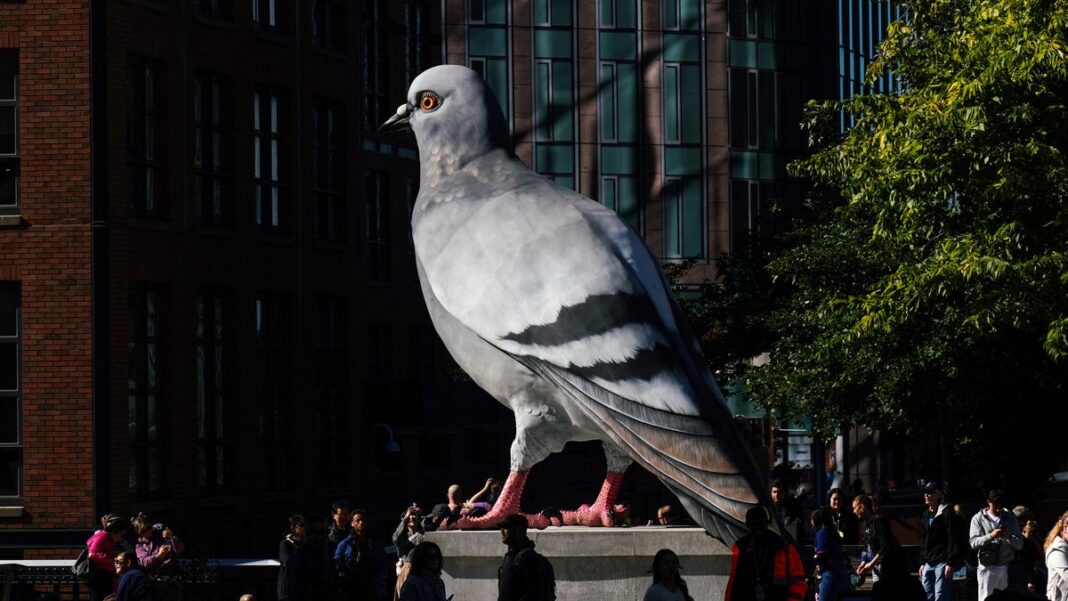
x=507 y=504
x=603 y=511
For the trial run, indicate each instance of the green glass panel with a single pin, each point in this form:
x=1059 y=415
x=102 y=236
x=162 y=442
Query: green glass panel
x=497 y=12
x=618 y=46
x=671 y=14
x=690 y=100
x=561 y=12
x=477 y=10
x=608 y=193
x=552 y=44
x=682 y=47
x=619 y=160
x=682 y=161
x=541 y=101
x=670 y=201
x=497 y=77
x=743 y=53
x=767 y=56
x=608 y=102
x=541 y=12
x=768 y=165
x=563 y=102
x=487 y=41
x=626 y=12
x=692 y=219
x=627 y=91
x=690 y=14
x=554 y=159
x=630 y=203
x=608 y=13
x=671 y=103
x=566 y=181
x=744 y=165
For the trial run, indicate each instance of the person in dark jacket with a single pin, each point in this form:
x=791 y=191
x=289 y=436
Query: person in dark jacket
x=361 y=564
x=524 y=574
x=943 y=545
x=292 y=539
x=424 y=583
x=133 y=584
x=764 y=566
x=339 y=524
x=842 y=517
x=875 y=535
x=307 y=576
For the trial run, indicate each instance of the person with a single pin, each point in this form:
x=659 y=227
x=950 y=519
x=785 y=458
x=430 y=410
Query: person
x=1056 y=548
x=666 y=516
x=842 y=518
x=156 y=548
x=247 y=597
x=524 y=573
x=424 y=582
x=668 y=584
x=789 y=510
x=339 y=524
x=995 y=535
x=406 y=537
x=293 y=536
x=764 y=566
x=360 y=563
x=307 y=576
x=102 y=546
x=133 y=584
x=830 y=558
x=943 y=547
x=1027 y=570
x=875 y=536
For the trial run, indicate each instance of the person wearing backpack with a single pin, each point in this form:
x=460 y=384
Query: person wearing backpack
x=525 y=574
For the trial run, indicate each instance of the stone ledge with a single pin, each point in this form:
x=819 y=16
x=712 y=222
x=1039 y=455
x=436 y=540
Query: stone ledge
x=11 y=511
x=10 y=220
x=590 y=563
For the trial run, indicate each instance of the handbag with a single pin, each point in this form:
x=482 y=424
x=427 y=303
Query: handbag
x=988 y=554
x=84 y=569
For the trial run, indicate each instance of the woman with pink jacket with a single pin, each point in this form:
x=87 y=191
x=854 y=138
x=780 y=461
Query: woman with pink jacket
x=156 y=548
x=102 y=552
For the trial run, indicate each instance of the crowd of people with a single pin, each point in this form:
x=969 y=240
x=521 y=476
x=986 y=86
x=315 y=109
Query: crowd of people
x=124 y=552
x=336 y=557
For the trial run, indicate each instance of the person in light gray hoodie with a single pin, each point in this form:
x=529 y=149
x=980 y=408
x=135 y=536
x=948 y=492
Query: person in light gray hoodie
x=1057 y=560
x=995 y=535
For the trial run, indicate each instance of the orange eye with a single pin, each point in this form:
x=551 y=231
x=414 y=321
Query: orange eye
x=430 y=102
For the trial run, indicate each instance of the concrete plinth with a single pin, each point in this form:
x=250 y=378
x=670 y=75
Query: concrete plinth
x=590 y=563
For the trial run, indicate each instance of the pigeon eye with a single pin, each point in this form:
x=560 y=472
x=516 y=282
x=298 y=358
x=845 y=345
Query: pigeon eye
x=430 y=101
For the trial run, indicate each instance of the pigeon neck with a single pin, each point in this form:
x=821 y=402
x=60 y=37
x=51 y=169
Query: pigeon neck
x=436 y=163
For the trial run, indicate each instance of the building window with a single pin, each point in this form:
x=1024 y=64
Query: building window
x=621 y=14
x=10 y=391
x=269 y=15
x=332 y=392
x=329 y=165
x=378 y=344
x=214 y=9
x=683 y=218
x=621 y=193
x=683 y=15
x=212 y=398
x=554 y=91
x=211 y=147
x=275 y=390
x=487 y=46
x=268 y=119
x=375 y=67
x=328 y=24
x=376 y=226
x=417 y=42
x=144 y=101
x=143 y=394
x=9 y=130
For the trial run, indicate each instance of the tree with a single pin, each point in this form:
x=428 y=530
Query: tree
x=926 y=291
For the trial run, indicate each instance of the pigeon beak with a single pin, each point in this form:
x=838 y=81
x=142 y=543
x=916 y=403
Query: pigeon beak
x=398 y=121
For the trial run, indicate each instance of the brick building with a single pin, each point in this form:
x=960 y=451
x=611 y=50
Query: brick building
x=208 y=306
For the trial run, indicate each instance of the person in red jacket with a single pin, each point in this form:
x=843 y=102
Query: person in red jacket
x=764 y=566
x=102 y=552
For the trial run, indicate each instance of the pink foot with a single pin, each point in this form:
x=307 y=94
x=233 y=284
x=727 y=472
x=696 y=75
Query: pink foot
x=507 y=504
x=604 y=511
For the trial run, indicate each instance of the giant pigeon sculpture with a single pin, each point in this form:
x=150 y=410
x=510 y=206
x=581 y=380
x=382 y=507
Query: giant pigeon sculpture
x=559 y=311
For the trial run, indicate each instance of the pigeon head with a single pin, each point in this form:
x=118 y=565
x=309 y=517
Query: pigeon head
x=455 y=117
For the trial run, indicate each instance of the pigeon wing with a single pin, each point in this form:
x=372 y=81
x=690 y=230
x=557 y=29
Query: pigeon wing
x=559 y=283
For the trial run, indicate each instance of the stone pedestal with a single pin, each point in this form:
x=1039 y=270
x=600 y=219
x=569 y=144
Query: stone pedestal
x=591 y=564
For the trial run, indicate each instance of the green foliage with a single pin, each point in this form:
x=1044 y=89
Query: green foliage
x=927 y=289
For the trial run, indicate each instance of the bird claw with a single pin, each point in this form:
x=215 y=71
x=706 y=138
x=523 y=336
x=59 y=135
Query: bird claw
x=596 y=515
